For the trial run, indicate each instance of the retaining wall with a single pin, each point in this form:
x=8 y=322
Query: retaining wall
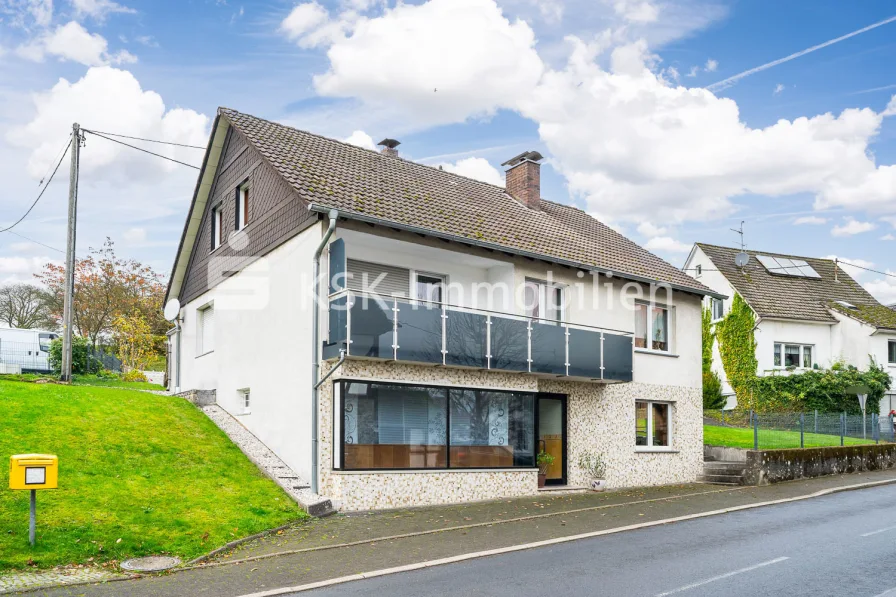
x=772 y=466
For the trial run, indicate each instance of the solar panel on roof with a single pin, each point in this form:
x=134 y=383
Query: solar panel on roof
x=783 y=266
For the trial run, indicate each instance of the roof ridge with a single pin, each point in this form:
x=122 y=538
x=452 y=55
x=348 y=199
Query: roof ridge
x=769 y=253
x=372 y=151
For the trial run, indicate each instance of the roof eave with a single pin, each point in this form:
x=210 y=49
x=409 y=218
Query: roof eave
x=322 y=209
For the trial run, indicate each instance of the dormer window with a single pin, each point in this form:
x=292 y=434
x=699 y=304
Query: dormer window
x=243 y=211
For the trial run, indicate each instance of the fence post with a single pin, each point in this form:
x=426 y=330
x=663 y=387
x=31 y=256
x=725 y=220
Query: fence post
x=816 y=420
x=802 y=430
x=842 y=426
x=755 y=431
x=875 y=428
x=891 y=429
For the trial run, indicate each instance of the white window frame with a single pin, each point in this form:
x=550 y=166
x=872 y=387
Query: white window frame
x=670 y=414
x=889 y=362
x=241 y=215
x=245 y=401
x=413 y=290
x=201 y=349
x=545 y=289
x=670 y=325
x=778 y=351
x=217 y=226
x=712 y=308
x=698 y=270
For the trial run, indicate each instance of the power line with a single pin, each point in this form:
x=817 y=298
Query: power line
x=158 y=155
x=37 y=242
x=839 y=261
x=148 y=140
x=867 y=269
x=58 y=155
x=41 y=194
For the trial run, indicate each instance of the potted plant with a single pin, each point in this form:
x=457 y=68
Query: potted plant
x=592 y=463
x=544 y=461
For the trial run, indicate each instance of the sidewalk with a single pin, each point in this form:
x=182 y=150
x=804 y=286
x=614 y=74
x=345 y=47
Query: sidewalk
x=343 y=545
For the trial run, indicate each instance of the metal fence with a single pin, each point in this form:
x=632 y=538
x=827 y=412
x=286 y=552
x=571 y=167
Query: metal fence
x=795 y=430
x=32 y=357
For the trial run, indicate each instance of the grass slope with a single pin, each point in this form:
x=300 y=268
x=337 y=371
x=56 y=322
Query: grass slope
x=138 y=474
x=734 y=437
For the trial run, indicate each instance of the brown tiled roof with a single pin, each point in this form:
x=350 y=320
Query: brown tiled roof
x=775 y=295
x=367 y=184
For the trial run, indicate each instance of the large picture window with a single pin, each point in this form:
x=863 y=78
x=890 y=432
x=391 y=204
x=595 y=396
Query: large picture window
x=397 y=426
x=793 y=355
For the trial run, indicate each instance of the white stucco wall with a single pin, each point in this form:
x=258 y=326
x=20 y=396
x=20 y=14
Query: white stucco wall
x=772 y=331
x=262 y=342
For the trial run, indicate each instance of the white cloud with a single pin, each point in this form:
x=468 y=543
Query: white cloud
x=361 y=139
x=22 y=269
x=636 y=11
x=134 y=236
x=436 y=63
x=109 y=99
x=26 y=14
x=72 y=42
x=852 y=227
x=693 y=72
x=711 y=66
x=667 y=244
x=477 y=168
x=98 y=9
x=810 y=220
x=888 y=237
x=648 y=229
x=778 y=89
x=618 y=135
x=883 y=288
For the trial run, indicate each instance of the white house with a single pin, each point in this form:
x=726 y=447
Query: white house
x=809 y=311
x=460 y=328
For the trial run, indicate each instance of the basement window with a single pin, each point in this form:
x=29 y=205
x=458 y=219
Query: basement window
x=244 y=401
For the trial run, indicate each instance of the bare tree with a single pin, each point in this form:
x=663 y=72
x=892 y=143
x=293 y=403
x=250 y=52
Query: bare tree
x=25 y=306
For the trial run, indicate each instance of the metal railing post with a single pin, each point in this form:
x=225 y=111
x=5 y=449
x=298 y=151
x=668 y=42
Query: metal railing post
x=892 y=429
x=842 y=427
x=802 y=430
x=816 y=420
x=875 y=428
x=755 y=418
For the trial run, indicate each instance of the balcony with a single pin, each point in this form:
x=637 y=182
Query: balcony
x=398 y=329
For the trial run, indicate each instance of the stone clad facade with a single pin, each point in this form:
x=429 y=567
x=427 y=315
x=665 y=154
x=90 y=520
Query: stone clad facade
x=600 y=419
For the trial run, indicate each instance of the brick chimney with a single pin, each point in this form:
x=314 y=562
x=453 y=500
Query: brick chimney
x=389 y=146
x=523 y=178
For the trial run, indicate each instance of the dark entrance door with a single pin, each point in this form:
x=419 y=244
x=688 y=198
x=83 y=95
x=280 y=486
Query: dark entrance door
x=552 y=435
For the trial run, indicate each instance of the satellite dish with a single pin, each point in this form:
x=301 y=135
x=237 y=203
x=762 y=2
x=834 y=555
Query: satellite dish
x=741 y=259
x=172 y=310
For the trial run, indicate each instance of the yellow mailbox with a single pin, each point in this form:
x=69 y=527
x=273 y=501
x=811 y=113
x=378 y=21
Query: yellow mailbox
x=33 y=471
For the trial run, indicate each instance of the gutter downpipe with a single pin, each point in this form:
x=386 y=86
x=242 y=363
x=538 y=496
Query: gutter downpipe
x=315 y=348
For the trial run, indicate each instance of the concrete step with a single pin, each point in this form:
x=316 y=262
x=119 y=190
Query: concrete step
x=723 y=468
x=718 y=479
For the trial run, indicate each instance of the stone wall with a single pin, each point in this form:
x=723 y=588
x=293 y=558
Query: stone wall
x=199 y=397
x=601 y=418
x=773 y=466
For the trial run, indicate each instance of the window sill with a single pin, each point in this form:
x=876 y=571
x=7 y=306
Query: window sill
x=659 y=353
x=433 y=471
x=657 y=450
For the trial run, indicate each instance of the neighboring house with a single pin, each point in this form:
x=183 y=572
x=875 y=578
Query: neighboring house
x=485 y=324
x=810 y=313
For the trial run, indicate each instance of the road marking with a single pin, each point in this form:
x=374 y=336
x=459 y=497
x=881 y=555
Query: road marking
x=560 y=540
x=722 y=577
x=878 y=531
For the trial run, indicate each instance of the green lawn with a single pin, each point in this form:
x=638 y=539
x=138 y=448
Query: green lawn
x=139 y=474
x=85 y=380
x=734 y=437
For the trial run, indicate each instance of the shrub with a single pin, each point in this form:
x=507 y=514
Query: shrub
x=133 y=375
x=712 y=391
x=823 y=390
x=81 y=361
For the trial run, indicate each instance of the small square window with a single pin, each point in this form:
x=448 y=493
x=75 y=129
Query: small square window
x=718 y=309
x=891 y=352
x=698 y=271
x=652 y=327
x=245 y=401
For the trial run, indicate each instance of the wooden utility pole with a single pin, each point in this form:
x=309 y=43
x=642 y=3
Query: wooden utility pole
x=68 y=309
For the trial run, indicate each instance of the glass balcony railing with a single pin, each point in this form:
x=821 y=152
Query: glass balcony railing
x=407 y=330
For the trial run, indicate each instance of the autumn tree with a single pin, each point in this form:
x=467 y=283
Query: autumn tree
x=26 y=306
x=107 y=287
x=134 y=340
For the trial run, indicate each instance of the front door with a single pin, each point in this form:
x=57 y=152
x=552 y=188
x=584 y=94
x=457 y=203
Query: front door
x=552 y=435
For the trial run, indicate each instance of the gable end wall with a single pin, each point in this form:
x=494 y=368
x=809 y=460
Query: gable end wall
x=277 y=214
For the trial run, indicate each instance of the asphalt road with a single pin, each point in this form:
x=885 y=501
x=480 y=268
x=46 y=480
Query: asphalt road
x=840 y=545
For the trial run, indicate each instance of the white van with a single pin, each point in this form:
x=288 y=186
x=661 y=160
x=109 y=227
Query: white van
x=27 y=349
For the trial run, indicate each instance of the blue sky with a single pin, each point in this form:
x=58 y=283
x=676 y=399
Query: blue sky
x=619 y=96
